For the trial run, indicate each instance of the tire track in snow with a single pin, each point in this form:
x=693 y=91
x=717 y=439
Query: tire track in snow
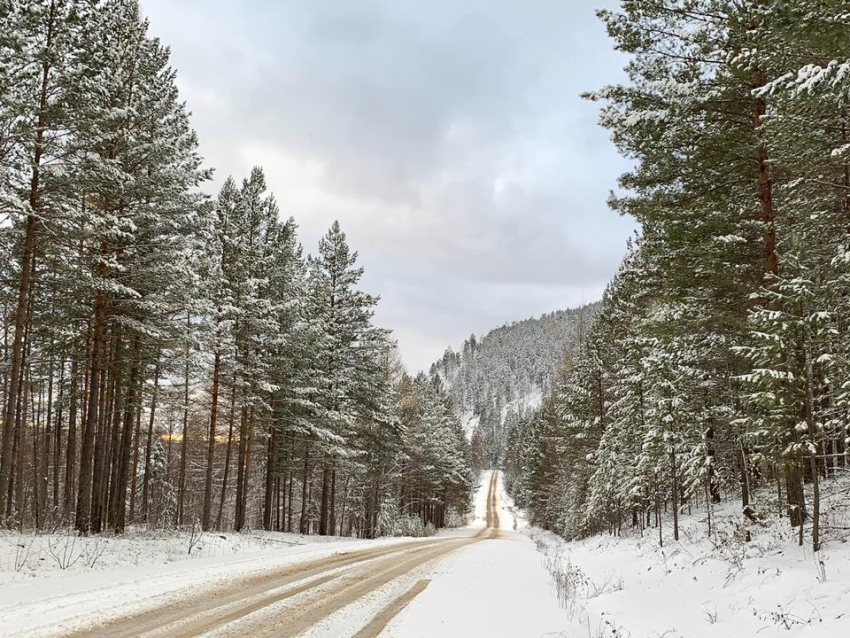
x=321 y=587
x=296 y=622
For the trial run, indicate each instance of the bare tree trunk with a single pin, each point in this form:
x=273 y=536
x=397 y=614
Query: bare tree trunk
x=71 y=455
x=148 y=445
x=227 y=455
x=134 y=471
x=289 y=505
x=112 y=456
x=324 y=517
x=241 y=470
x=302 y=527
x=37 y=488
x=271 y=475
x=184 y=443
x=84 y=490
x=48 y=436
x=658 y=511
x=57 y=438
x=332 y=512
x=119 y=516
x=816 y=545
x=794 y=493
x=674 y=475
x=205 y=519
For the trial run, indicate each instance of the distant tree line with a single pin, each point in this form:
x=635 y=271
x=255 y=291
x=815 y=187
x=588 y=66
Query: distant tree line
x=720 y=362
x=170 y=359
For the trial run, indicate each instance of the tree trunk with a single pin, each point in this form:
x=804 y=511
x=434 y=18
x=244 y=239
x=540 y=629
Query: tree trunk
x=674 y=475
x=119 y=515
x=794 y=493
x=271 y=473
x=289 y=505
x=149 y=445
x=302 y=527
x=57 y=438
x=228 y=453
x=71 y=454
x=241 y=470
x=324 y=514
x=216 y=378
x=815 y=506
x=84 y=493
x=134 y=470
x=184 y=441
x=112 y=455
x=332 y=512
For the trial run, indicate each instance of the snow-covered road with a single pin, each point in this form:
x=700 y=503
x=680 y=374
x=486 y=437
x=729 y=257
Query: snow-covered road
x=486 y=579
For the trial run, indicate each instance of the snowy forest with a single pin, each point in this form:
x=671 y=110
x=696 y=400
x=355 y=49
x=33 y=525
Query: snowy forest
x=175 y=359
x=497 y=378
x=719 y=365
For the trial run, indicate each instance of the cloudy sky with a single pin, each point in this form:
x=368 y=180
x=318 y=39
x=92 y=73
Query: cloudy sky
x=448 y=137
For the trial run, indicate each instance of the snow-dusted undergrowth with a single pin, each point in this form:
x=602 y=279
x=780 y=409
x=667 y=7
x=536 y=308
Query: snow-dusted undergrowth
x=708 y=585
x=28 y=556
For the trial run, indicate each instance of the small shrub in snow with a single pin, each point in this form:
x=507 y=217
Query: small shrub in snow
x=195 y=534
x=64 y=551
x=783 y=618
x=570 y=582
x=22 y=553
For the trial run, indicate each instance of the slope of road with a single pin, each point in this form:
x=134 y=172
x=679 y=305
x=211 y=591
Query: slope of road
x=340 y=589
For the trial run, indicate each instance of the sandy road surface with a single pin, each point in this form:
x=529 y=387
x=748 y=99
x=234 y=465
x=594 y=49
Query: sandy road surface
x=289 y=601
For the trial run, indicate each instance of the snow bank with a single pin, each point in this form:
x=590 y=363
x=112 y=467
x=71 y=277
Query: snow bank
x=701 y=586
x=134 y=573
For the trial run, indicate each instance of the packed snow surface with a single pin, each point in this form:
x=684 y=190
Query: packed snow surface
x=497 y=588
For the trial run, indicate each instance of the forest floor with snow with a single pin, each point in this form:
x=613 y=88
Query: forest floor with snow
x=32 y=557
x=708 y=586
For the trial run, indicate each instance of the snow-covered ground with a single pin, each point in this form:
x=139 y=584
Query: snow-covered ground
x=487 y=577
x=118 y=576
x=701 y=586
x=29 y=558
x=528 y=402
x=497 y=578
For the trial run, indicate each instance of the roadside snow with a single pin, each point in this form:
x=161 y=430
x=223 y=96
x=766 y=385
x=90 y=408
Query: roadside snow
x=702 y=587
x=24 y=557
x=137 y=573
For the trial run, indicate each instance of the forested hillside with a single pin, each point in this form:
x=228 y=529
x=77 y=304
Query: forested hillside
x=505 y=374
x=174 y=359
x=719 y=365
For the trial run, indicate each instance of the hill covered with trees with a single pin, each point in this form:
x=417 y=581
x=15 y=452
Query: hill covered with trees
x=495 y=378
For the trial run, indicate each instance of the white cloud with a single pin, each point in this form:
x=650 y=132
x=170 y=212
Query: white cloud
x=448 y=138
